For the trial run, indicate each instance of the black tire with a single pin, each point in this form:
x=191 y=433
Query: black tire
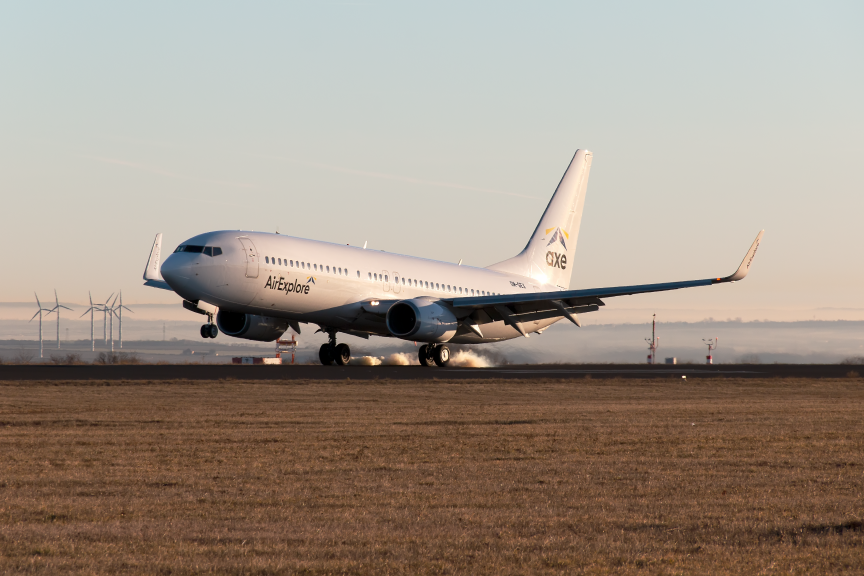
x=441 y=355
x=425 y=356
x=342 y=354
x=324 y=355
x=212 y=330
x=205 y=331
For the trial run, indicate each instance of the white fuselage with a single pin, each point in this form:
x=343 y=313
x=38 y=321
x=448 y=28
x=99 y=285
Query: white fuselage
x=326 y=284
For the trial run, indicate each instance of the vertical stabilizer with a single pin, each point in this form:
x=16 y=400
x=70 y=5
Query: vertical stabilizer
x=548 y=256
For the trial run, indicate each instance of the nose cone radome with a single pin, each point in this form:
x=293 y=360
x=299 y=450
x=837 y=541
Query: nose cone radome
x=176 y=270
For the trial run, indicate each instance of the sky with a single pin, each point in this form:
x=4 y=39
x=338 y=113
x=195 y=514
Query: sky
x=440 y=130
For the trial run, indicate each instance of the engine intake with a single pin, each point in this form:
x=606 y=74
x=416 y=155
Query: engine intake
x=251 y=326
x=421 y=320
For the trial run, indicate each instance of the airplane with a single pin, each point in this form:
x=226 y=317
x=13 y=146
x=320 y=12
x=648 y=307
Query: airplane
x=257 y=285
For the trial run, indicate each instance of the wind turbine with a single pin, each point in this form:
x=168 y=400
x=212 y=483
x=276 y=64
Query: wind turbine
x=93 y=308
x=111 y=311
x=104 y=310
x=39 y=313
x=119 y=312
x=57 y=308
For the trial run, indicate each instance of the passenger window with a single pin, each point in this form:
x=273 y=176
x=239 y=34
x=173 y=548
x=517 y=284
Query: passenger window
x=280 y=261
x=460 y=290
x=266 y=259
x=217 y=251
x=316 y=267
x=340 y=271
x=436 y=287
x=386 y=278
x=328 y=269
x=304 y=265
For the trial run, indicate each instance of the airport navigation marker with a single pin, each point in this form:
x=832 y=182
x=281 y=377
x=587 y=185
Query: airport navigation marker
x=712 y=345
x=57 y=308
x=39 y=313
x=653 y=342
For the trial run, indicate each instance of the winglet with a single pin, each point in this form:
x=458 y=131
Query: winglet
x=152 y=271
x=745 y=264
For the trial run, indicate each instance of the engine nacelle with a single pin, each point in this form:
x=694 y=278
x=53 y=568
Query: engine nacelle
x=421 y=320
x=251 y=326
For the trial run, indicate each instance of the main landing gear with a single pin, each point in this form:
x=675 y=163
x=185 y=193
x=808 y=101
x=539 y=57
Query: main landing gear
x=434 y=354
x=209 y=330
x=332 y=352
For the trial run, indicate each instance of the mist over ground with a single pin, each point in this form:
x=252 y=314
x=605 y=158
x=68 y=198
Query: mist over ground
x=815 y=341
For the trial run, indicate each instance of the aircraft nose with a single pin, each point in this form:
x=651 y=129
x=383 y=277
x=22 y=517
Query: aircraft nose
x=174 y=270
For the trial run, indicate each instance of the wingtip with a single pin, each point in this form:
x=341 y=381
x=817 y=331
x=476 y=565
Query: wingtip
x=744 y=268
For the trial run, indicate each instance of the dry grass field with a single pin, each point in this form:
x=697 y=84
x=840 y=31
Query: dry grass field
x=435 y=477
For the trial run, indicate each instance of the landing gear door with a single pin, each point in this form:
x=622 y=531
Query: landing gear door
x=251 y=257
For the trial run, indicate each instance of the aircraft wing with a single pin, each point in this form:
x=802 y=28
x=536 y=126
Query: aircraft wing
x=515 y=309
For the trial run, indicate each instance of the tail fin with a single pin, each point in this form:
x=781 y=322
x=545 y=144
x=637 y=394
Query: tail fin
x=548 y=256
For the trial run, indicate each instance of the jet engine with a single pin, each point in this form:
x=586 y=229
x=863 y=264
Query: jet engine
x=422 y=320
x=251 y=326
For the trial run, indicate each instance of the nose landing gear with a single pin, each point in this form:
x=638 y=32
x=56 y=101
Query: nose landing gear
x=434 y=354
x=209 y=330
x=332 y=352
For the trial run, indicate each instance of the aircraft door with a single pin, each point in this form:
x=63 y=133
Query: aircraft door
x=385 y=280
x=396 y=286
x=251 y=257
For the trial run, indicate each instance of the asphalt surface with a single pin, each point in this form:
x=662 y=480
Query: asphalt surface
x=312 y=372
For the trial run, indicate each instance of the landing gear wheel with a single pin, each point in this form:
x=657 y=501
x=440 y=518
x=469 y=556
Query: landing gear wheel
x=324 y=355
x=342 y=354
x=441 y=355
x=425 y=356
x=212 y=330
x=205 y=331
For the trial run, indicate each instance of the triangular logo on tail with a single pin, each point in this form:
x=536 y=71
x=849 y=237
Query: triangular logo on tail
x=558 y=237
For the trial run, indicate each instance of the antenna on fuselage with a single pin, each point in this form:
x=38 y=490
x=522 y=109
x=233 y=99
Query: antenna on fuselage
x=364 y=244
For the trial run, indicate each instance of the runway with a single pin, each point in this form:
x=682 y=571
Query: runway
x=203 y=372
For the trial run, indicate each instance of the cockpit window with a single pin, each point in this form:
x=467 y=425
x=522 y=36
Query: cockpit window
x=207 y=250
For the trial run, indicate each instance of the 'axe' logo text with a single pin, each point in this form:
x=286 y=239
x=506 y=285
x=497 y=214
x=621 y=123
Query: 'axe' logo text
x=555 y=260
